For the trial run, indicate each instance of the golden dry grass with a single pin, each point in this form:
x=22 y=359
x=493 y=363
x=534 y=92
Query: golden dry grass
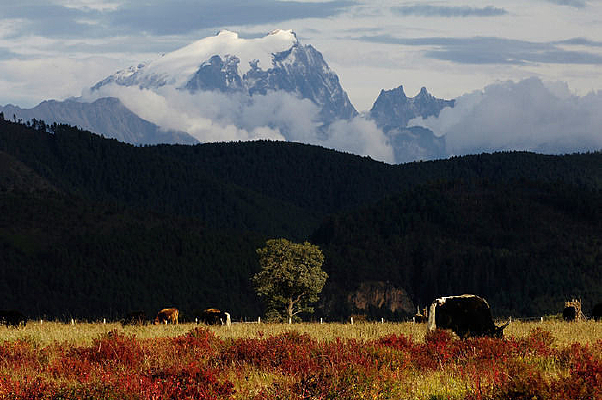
x=585 y=332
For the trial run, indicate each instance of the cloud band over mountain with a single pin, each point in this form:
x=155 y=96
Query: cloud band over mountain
x=211 y=116
x=526 y=115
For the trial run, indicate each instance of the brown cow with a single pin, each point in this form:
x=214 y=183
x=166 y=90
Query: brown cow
x=167 y=315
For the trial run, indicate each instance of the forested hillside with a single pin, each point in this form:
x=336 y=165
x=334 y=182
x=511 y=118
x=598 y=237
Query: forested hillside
x=93 y=227
x=525 y=246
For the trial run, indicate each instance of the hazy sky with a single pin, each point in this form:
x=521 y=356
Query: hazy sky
x=55 y=48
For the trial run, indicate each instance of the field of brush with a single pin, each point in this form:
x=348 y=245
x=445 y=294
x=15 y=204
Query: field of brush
x=535 y=360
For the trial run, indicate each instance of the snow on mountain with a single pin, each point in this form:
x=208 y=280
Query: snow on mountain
x=178 y=67
x=230 y=64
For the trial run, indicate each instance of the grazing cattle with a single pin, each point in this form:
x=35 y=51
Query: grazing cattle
x=135 y=318
x=213 y=316
x=597 y=312
x=167 y=316
x=572 y=311
x=569 y=314
x=467 y=315
x=12 y=318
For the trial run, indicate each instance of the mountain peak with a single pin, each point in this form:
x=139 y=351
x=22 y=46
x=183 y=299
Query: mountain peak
x=283 y=32
x=230 y=64
x=177 y=67
x=392 y=109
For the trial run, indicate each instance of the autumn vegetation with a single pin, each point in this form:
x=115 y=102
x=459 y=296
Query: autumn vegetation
x=549 y=360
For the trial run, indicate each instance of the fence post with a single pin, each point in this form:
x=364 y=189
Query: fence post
x=351 y=320
x=321 y=320
x=382 y=320
x=72 y=321
x=104 y=320
x=542 y=319
x=259 y=320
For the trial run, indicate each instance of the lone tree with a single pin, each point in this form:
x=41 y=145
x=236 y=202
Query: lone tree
x=291 y=276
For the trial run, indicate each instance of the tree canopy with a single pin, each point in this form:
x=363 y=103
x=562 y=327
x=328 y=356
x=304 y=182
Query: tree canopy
x=291 y=276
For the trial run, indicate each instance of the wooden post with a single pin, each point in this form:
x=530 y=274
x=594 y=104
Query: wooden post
x=321 y=320
x=351 y=320
x=259 y=320
x=382 y=320
x=72 y=321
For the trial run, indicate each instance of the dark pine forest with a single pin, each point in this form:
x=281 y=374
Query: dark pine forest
x=92 y=227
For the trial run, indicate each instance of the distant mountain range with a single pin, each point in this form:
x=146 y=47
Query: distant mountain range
x=246 y=68
x=106 y=116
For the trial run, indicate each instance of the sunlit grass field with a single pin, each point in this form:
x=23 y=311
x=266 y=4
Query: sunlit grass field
x=44 y=333
x=535 y=360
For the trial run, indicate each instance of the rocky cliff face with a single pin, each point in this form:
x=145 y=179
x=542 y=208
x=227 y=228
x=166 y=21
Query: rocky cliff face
x=381 y=295
x=393 y=109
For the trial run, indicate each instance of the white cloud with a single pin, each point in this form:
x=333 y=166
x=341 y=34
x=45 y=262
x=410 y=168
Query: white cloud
x=360 y=136
x=98 y=5
x=526 y=115
x=216 y=116
x=60 y=78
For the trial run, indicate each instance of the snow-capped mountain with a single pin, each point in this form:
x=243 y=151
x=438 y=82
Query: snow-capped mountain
x=230 y=64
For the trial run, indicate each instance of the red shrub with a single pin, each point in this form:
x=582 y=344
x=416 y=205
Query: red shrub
x=26 y=389
x=397 y=342
x=186 y=382
x=585 y=372
x=20 y=354
x=289 y=352
x=539 y=342
x=114 y=348
x=199 y=343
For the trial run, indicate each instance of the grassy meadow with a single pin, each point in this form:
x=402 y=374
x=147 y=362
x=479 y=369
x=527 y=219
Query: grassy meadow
x=535 y=360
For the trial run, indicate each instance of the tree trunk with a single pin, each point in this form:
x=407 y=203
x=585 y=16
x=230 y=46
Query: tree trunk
x=289 y=309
